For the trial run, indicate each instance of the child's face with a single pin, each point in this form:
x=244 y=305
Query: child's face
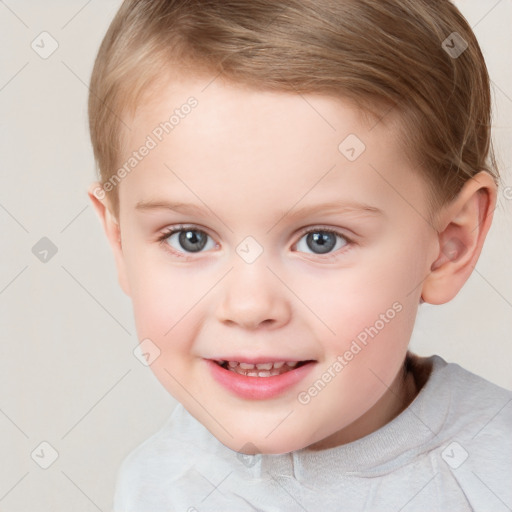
x=251 y=162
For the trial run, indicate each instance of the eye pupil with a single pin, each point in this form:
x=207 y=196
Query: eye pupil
x=325 y=240
x=192 y=240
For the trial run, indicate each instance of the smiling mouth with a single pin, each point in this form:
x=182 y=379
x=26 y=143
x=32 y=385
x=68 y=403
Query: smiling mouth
x=269 y=369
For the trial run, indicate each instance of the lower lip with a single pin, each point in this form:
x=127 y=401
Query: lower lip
x=258 y=388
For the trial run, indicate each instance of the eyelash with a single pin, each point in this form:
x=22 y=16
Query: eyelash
x=329 y=256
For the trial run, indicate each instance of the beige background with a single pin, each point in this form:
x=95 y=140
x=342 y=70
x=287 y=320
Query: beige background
x=68 y=376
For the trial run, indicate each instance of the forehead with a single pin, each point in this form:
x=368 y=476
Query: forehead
x=259 y=146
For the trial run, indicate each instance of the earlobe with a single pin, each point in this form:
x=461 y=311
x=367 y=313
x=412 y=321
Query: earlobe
x=464 y=224
x=112 y=231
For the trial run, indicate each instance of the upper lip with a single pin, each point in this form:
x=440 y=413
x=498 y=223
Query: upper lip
x=258 y=359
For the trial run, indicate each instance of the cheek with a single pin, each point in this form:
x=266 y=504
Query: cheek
x=162 y=295
x=370 y=307
x=346 y=300
x=383 y=307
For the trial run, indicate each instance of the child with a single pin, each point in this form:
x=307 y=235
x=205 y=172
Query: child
x=257 y=130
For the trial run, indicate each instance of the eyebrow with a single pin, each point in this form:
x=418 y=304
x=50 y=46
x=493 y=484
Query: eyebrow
x=333 y=206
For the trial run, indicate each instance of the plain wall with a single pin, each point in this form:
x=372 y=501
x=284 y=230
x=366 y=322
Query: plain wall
x=68 y=376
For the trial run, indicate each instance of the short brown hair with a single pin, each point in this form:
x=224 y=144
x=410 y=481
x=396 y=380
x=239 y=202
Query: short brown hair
x=382 y=54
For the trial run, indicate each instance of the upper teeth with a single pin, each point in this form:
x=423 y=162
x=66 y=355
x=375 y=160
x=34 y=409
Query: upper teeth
x=260 y=366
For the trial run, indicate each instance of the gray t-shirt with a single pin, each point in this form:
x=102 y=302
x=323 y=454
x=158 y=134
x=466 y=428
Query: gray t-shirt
x=449 y=450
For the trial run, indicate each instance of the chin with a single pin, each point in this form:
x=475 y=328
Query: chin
x=251 y=445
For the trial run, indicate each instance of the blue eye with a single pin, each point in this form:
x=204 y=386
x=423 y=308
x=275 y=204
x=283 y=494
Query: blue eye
x=190 y=240
x=184 y=241
x=322 y=241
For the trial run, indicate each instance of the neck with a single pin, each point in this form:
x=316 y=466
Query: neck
x=397 y=397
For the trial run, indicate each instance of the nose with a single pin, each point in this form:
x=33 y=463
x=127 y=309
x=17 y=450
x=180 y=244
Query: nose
x=252 y=297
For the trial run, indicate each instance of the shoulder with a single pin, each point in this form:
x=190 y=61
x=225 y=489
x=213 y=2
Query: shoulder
x=161 y=458
x=454 y=400
x=475 y=404
x=475 y=445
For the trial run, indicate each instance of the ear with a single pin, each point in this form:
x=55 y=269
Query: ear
x=112 y=230
x=463 y=226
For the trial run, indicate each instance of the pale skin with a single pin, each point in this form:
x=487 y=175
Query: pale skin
x=251 y=159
